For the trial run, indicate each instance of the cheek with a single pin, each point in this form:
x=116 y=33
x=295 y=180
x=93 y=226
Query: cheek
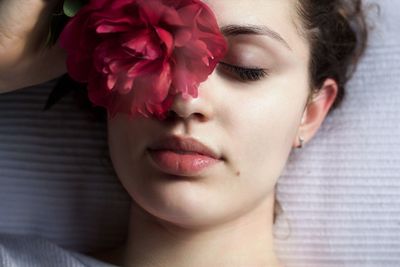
x=263 y=132
x=120 y=152
x=126 y=144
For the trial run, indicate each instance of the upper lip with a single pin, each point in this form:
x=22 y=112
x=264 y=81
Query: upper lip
x=184 y=144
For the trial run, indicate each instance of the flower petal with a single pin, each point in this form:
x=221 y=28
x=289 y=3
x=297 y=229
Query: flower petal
x=136 y=55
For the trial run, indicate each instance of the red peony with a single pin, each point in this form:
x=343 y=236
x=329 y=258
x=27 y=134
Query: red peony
x=136 y=55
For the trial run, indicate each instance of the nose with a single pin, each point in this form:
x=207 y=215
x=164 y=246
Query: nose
x=190 y=108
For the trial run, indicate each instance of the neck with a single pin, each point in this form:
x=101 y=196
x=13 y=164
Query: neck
x=245 y=241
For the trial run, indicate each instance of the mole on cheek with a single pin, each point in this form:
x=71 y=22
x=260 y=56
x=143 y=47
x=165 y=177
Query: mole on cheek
x=238 y=173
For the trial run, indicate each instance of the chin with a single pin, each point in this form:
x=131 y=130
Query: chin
x=180 y=202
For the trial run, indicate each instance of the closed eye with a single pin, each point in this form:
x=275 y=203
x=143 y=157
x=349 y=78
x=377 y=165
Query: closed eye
x=244 y=74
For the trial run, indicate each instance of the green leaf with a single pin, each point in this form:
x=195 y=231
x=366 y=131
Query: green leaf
x=71 y=7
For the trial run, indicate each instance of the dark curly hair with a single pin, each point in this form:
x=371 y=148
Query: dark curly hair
x=337 y=31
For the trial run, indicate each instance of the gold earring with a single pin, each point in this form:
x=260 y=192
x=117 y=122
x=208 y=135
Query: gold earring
x=301 y=141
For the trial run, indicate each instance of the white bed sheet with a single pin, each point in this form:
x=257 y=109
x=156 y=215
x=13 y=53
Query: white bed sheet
x=341 y=193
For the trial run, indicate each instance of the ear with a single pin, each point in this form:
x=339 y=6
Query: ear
x=316 y=111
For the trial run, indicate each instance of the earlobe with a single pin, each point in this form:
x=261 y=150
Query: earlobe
x=316 y=111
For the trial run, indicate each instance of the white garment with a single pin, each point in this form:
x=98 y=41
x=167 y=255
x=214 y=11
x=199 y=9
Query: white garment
x=25 y=251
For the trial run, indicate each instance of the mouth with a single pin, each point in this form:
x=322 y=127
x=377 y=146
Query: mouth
x=180 y=156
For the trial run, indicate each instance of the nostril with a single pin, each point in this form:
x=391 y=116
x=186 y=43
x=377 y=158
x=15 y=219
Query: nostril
x=173 y=116
x=200 y=117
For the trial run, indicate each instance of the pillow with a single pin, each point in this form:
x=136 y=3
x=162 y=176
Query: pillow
x=341 y=193
x=56 y=179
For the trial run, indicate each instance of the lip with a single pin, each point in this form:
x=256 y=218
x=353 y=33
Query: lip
x=182 y=156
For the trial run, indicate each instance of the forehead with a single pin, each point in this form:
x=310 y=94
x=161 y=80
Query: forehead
x=279 y=15
x=252 y=9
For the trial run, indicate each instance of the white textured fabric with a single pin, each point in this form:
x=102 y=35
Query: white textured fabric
x=28 y=251
x=341 y=193
x=55 y=176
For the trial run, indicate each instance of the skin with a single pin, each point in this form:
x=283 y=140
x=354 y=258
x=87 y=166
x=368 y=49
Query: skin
x=23 y=29
x=223 y=218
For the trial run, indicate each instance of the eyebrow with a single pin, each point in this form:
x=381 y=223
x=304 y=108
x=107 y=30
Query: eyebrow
x=234 y=30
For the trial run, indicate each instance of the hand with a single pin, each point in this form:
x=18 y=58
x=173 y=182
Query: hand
x=24 y=60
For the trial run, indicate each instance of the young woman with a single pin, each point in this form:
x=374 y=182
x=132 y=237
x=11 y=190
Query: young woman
x=202 y=180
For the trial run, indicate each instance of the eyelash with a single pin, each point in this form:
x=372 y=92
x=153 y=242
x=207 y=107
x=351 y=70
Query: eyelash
x=245 y=74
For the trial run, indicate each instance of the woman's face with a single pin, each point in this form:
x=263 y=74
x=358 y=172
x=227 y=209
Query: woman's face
x=250 y=125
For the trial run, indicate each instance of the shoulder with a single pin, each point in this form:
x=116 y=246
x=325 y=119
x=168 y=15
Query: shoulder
x=18 y=250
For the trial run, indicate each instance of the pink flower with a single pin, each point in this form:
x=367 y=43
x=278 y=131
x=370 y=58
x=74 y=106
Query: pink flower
x=136 y=55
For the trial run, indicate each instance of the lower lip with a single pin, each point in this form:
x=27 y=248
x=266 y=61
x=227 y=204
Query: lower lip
x=188 y=164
